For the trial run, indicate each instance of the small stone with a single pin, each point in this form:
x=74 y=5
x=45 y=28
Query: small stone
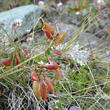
x=75 y=108
x=107 y=53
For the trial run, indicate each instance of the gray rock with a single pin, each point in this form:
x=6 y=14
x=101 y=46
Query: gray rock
x=93 y=29
x=88 y=39
x=29 y=14
x=101 y=34
x=83 y=39
x=102 y=22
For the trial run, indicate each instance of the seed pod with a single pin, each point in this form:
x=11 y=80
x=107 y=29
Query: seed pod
x=49 y=86
x=47 y=27
x=34 y=77
x=58 y=73
x=51 y=67
x=91 y=53
x=17 y=60
x=26 y=53
x=43 y=90
x=7 y=61
x=19 y=52
x=59 y=38
x=50 y=80
x=57 y=52
x=53 y=63
x=48 y=34
x=36 y=89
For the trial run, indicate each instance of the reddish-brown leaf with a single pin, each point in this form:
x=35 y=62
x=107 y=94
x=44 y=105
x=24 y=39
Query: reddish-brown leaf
x=47 y=27
x=26 y=53
x=50 y=80
x=19 y=52
x=58 y=73
x=34 y=77
x=51 y=67
x=43 y=90
x=83 y=5
x=59 y=38
x=57 y=52
x=6 y=61
x=80 y=7
x=53 y=62
x=36 y=89
x=49 y=86
x=48 y=34
x=17 y=60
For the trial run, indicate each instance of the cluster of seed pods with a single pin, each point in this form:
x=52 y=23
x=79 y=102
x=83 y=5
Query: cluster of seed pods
x=58 y=37
x=42 y=83
x=15 y=60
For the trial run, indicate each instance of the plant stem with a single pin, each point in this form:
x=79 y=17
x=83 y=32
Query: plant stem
x=7 y=73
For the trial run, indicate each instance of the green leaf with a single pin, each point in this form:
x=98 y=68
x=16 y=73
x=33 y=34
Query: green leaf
x=48 y=51
x=37 y=59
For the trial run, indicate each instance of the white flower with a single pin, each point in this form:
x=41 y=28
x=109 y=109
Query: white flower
x=77 y=13
x=41 y=62
x=29 y=39
x=28 y=31
x=41 y=3
x=59 y=5
x=100 y=3
x=17 y=22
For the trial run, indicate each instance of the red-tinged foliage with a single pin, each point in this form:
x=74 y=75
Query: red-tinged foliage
x=7 y=61
x=19 y=52
x=53 y=63
x=46 y=26
x=58 y=73
x=83 y=5
x=51 y=67
x=49 y=86
x=57 y=52
x=48 y=34
x=36 y=89
x=17 y=60
x=50 y=80
x=26 y=53
x=34 y=77
x=91 y=53
x=43 y=90
x=80 y=7
x=59 y=38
